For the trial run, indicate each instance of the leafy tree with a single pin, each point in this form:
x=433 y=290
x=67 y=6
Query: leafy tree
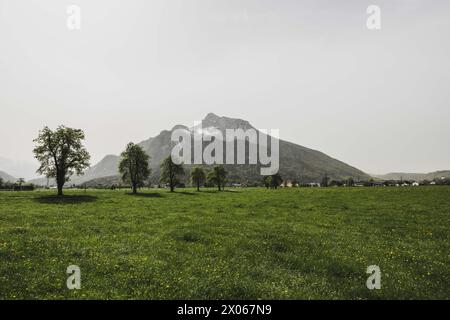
x=325 y=181
x=61 y=154
x=275 y=181
x=336 y=183
x=1 y=183
x=350 y=182
x=134 y=166
x=171 y=172
x=267 y=181
x=20 y=182
x=217 y=176
x=197 y=177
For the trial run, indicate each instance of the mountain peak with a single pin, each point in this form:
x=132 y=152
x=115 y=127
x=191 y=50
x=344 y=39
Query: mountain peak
x=211 y=116
x=223 y=123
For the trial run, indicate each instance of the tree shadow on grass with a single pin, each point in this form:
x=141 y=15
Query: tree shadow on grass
x=144 y=195
x=69 y=199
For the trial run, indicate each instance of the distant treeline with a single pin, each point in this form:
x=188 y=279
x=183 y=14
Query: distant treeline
x=273 y=183
x=14 y=186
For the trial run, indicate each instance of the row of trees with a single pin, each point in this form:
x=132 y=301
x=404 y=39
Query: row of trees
x=61 y=154
x=274 y=181
x=327 y=182
x=18 y=185
x=217 y=176
x=134 y=169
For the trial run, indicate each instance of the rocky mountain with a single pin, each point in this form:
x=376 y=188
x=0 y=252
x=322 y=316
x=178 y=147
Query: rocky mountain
x=296 y=162
x=6 y=177
x=105 y=168
x=414 y=176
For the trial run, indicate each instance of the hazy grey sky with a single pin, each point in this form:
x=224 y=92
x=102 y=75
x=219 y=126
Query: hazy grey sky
x=378 y=100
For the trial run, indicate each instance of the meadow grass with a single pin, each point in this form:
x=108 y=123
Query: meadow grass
x=296 y=243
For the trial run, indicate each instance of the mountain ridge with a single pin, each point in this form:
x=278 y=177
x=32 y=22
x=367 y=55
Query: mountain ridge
x=413 y=176
x=19 y=169
x=7 y=177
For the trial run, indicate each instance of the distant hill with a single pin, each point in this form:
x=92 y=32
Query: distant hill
x=108 y=166
x=414 y=176
x=296 y=162
x=105 y=168
x=42 y=181
x=19 y=169
x=102 y=182
x=6 y=177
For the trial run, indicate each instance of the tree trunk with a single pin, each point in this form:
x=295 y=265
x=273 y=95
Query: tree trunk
x=134 y=189
x=60 y=189
x=198 y=185
x=171 y=181
x=60 y=177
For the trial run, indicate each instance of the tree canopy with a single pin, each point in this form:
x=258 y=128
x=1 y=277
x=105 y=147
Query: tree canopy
x=273 y=181
x=61 y=154
x=198 y=177
x=171 y=172
x=325 y=181
x=134 y=166
x=217 y=176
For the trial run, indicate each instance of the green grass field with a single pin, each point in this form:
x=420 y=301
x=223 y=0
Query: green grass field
x=295 y=243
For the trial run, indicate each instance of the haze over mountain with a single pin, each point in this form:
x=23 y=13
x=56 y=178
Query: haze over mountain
x=7 y=177
x=414 y=176
x=296 y=162
x=107 y=167
x=19 y=169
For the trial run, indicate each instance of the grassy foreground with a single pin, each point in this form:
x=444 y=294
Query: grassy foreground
x=244 y=244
